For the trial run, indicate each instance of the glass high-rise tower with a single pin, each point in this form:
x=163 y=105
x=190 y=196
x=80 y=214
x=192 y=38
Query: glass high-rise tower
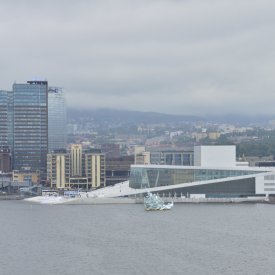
x=30 y=126
x=6 y=119
x=5 y=130
x=57 y=119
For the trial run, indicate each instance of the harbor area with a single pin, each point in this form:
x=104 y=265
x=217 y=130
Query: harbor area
x=122 y=193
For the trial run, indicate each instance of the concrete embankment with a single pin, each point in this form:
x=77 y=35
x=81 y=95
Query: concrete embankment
x=212 y=200
x=120 y=200
x=11 y=197
x=79 y=201
x=101 y=201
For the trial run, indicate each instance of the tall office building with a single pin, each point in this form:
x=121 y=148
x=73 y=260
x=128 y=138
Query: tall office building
x=6 y=119
x=6 y=130
x=57 y=128
x=30 y=129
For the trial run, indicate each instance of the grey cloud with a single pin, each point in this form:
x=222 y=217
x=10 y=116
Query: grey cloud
x=174 y=56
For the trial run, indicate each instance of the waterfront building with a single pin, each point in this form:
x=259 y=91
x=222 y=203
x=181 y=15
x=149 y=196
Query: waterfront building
x=95 y=169
x=30 y=128
x=214 y=182
x=57 y=119
x=228 y=181
x=89 y=168
x=216 y=173
x=118 y=169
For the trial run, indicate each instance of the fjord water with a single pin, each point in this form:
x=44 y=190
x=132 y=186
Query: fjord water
x=125 y=239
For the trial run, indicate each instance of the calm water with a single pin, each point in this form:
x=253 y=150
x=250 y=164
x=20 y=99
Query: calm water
x=124 y=239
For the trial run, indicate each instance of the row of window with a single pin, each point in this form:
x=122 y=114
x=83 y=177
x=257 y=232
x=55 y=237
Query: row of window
x=153 y=177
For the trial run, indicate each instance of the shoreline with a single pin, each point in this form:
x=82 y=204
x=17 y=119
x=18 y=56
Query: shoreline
x=106 y=200
x=10 y=197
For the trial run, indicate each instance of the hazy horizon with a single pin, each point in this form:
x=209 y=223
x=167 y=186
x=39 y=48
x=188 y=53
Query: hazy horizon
x=173 y=57
x=230 y=116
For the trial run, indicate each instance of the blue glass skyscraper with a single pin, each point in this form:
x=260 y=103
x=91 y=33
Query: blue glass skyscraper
x=57 y=119
x=30 y=129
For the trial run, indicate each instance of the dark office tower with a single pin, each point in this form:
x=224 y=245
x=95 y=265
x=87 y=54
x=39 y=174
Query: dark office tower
x=6 y=119
x=5 y=160
x=5 y=130
x=30 y=135
x=57 y=119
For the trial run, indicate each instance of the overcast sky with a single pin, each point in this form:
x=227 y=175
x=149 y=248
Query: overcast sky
x=183 y=57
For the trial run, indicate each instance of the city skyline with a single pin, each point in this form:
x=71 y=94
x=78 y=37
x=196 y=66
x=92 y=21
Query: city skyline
x=177 y=57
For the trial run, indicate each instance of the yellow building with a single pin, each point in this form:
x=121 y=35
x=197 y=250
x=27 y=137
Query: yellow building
x=23 y=176
x=58 y=169
x=76 y=169
x=95 y=169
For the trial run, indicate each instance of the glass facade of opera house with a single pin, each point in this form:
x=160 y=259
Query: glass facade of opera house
x=149 y=177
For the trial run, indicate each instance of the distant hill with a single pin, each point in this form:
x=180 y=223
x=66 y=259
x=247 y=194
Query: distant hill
x=125 y=116
x=112 y=115
x=242 y=120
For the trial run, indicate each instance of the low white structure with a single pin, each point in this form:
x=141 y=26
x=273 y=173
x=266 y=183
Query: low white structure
x=215 y=156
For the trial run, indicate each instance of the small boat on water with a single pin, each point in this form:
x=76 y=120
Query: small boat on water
x=154 y=202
